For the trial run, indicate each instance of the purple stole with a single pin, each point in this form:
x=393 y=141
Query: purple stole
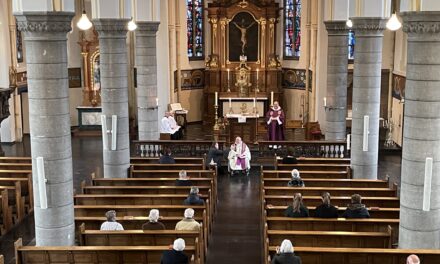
x=242 y=162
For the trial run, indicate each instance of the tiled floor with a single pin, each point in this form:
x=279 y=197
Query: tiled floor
x=236 y=230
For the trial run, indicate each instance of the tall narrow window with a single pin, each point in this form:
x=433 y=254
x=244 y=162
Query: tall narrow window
x=194 y=20
x=351 y=43
x=292 y=29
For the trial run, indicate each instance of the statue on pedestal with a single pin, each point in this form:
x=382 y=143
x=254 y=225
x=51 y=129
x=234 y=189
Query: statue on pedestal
x=242 y=82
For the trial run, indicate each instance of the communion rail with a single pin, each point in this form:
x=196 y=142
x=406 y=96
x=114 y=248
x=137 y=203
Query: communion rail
x=183 y=148
x=311 y=149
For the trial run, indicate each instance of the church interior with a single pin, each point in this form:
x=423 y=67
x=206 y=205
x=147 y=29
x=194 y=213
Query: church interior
x=219 y=131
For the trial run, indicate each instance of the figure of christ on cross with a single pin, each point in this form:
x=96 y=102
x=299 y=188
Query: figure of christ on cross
x=243 y=31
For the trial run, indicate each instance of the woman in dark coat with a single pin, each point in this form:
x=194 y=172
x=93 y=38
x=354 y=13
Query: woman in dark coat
x=285 y=254
x=326 y=210
x=297 y=209
x=175 y=255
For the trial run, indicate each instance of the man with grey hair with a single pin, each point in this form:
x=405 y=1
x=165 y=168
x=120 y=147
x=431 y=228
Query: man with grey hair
x=193 y=197
x=175 y=255
x=188 y=223
x=183 y=179
x=111 y=224
x=153 y=221
x=413 y=259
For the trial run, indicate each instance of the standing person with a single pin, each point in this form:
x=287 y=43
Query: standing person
x=111 y=224
x=297 y=209
x=275 y=123
x=326 y=209
x=243 y=155
x=166 y=158
x=285 y=254
x=356 y=209
x=175 y=255
x=215 y=156
x=153 y=221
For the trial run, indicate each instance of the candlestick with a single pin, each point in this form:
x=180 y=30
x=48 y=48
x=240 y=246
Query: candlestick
x=257 y=74
x=230 y=102
x=216 y=126
x=157 y=101
x=216 y=99
x=255 y=103
x=271 y=98
x=229 y=75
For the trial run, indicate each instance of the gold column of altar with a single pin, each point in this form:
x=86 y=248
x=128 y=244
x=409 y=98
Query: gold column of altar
x=243 y=65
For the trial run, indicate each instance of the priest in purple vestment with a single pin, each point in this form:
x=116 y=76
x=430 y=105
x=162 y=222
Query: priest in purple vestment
x=275 y=123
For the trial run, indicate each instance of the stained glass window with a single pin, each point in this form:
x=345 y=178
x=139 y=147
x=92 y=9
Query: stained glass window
x=351 y=43
x=292 y=28
x=194 y=21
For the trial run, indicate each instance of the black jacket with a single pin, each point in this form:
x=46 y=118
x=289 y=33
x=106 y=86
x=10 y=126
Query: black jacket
x=286 y=258
x=173 y=257
x=303 y=212
x=289 y=160
x=166 y=159
x=356 y=211
x=296 y=182
x=193 y=199
x=216 y=155
x=324 y=211
x=183 y=183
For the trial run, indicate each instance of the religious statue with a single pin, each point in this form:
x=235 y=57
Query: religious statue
x=243 y=31
x=242 y=81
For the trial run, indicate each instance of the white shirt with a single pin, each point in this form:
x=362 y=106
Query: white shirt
x=111 y=226
x=165 y=126
x=173 y=122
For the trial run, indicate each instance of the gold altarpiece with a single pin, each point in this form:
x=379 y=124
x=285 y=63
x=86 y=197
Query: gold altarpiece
x=242 y=62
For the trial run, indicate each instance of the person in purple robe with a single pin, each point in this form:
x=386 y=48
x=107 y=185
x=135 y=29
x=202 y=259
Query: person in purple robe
x=275 y=123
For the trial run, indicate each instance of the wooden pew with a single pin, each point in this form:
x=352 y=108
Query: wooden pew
x=16 y=159
x=176 y=166
x=5 y=212
x=95 y=254
x=172 y=174
x=348 y=183
x=22 y=195
x=24 y=173
x=306 y=174
x=304 y=160
x=331 y=238
x=388 y=213
x=142 y=238
x=323 y=255
x=383 y=202
x=315 y=167
x=132 y=199
x=15 y=200
x=179 y=160
x=334 y=191
x=129 y=223
x=15 y=166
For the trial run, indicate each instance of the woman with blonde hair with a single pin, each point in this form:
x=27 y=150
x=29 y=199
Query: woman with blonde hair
x=326 y=209
x=297 y=209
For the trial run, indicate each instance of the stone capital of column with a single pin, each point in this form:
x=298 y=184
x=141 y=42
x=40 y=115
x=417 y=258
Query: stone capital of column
x=147 y=28
x=44 y=22
x=114 y=26
x=421 y=22
x=369 y=24
x=336 y=27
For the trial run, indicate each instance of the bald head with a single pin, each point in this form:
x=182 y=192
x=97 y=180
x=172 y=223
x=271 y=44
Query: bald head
x=413 y=259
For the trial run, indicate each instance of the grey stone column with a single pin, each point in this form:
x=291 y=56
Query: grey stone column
x=337 y=63
x=49 y=120
x=421 y=135
x=366 y=94
x=114 y=92
x=146 y=65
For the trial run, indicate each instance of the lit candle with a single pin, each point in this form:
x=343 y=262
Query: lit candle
x=216 y=99
x=229 y=72
x=325 y=102
x=348 y=141
x=271 y=98
x=230 y=102
x=257 y=74
x=255 y=103
x=157 y=101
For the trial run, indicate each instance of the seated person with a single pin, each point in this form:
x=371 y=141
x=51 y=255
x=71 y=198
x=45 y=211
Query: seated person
x=183 y=179
x=215 y=155
x=175 y=255
x=285 y=254
x=326 y=210
x=297 y=209
x=193 y=197
x=188 y=223
x=296 y=180
x=166 y=128
x=111 y=224
x=290 y=159
x=153 y=221
x=356 y=209
x=166 y=158
x=175 y=126
x=412 y=259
